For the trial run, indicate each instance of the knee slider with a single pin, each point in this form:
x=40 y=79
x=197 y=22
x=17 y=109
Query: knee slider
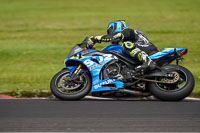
x=135 y=52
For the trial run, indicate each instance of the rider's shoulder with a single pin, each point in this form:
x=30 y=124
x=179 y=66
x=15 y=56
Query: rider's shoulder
x=138 y=31
x=128 y=31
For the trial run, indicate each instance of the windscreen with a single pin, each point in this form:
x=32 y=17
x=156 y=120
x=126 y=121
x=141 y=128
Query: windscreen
x=78 y=47
x=75 y=50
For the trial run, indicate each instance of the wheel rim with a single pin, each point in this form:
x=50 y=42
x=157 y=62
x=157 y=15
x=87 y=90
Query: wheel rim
x=179 y=85
x=65 y=86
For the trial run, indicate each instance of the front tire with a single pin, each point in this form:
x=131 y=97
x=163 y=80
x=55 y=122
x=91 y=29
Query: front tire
x=176 y=91
x=65 y=89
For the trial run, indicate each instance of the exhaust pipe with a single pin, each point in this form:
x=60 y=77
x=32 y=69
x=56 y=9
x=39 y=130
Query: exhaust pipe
x=135 y=93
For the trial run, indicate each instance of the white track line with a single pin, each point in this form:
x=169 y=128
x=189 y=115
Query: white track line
x=132 y=98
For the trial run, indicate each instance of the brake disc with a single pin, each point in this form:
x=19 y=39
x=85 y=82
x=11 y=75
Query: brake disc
x=68 y=85
x=174 y=80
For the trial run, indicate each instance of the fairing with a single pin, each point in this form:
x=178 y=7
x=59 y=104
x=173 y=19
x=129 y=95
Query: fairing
x=165 y=52
x=94 y=68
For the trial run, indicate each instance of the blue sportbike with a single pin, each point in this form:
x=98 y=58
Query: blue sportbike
x=110 y=71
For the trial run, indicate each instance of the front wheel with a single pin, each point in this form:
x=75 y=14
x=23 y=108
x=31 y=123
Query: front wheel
x=65 y=89
x=176 y=91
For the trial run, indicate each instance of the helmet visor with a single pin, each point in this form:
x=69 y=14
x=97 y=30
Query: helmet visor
x=110 y=30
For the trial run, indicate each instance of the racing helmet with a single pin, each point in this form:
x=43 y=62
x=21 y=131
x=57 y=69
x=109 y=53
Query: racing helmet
x=116 y=26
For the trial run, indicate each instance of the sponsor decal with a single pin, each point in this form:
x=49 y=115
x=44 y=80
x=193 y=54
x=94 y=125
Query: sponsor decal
x=96 y=81
x=97 y=65
x=84 y=51
x=101 y=59
x=104 y=83
x=88 y=63
x=166 y=50
x=75 y=57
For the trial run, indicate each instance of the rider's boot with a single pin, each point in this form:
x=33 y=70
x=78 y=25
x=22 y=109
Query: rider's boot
x=147 y=65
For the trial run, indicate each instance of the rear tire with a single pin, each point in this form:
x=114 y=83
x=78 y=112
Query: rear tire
x=174 y=92
x=64 y=89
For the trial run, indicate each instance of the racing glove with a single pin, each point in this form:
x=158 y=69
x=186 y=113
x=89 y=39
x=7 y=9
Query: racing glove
x=90 y=43
x=92 y=40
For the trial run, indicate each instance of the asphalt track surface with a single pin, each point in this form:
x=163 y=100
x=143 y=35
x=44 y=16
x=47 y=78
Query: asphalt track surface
x=51 y=115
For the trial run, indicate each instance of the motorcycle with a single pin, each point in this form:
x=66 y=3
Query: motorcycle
x=110 y=71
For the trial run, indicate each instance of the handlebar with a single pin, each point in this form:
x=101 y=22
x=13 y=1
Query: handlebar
x=86 y=42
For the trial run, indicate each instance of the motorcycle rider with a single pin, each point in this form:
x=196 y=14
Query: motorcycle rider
x=135 y=43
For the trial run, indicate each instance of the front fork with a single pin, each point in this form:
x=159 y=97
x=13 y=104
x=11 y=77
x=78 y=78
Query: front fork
x=76 y=72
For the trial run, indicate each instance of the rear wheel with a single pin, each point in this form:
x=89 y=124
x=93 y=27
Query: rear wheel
x=65 y=89
x=176 y=91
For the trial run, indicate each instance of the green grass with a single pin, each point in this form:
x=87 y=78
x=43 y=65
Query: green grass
x=35 y=36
